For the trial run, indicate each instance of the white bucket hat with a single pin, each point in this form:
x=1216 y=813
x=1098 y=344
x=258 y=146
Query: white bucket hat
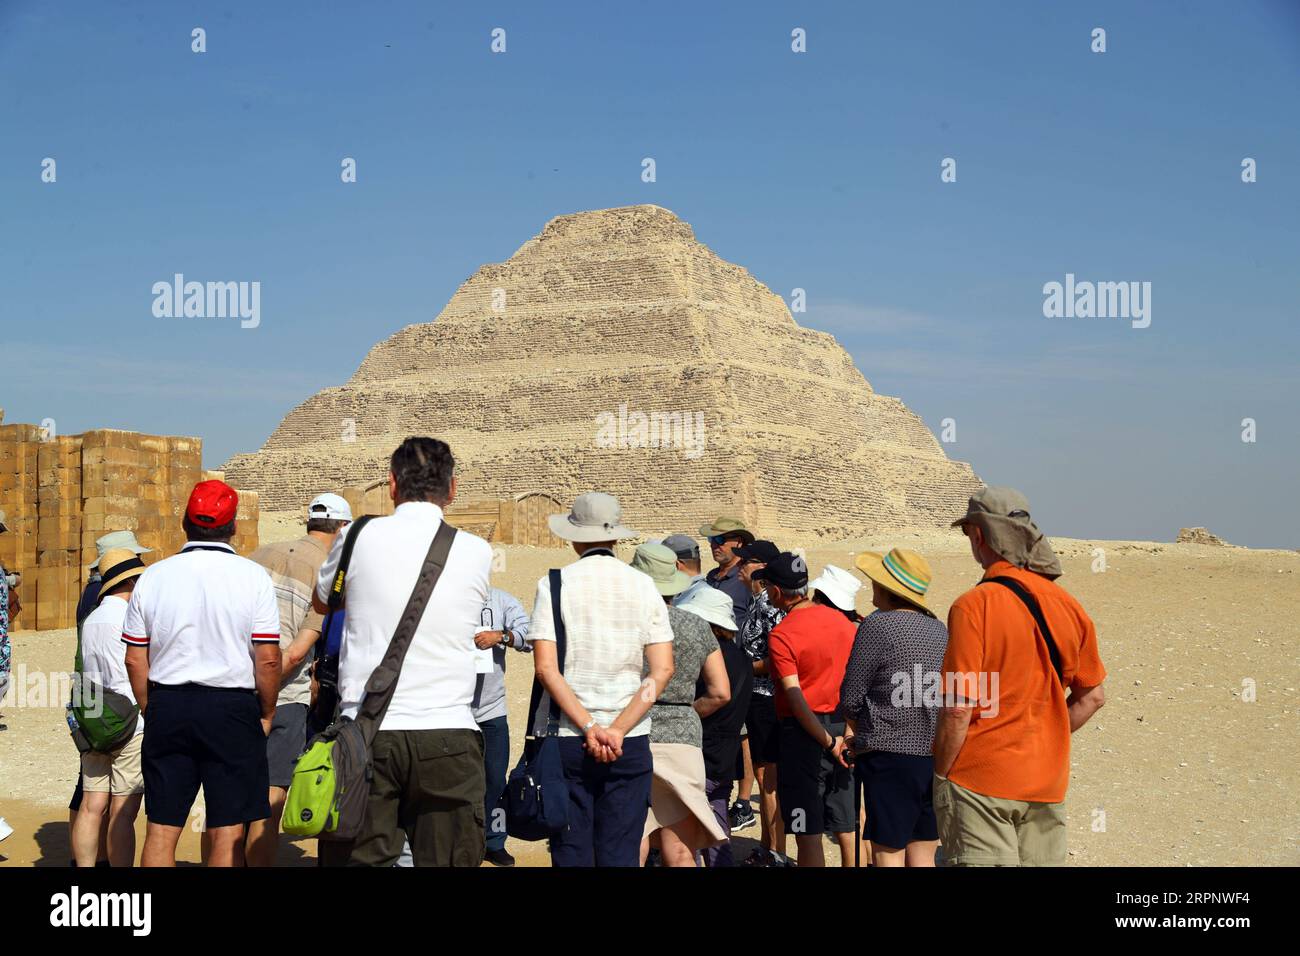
x=116 y=539
x=595 y=516
x=838 y=585
x=713 y=605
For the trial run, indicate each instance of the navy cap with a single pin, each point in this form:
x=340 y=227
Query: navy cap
x=786 y=570
x=764 y=551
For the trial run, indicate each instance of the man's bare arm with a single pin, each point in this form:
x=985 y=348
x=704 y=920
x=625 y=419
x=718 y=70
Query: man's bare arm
x=717 y=685
x=803 y=713
x=266 y=678
x=137 y=672
x=546 y=663
x=949 y=736
x=297 y=651
x=660 y=658
x=1083 y=703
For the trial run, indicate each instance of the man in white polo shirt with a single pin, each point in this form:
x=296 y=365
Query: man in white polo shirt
x=428 y=753
x=203 y=656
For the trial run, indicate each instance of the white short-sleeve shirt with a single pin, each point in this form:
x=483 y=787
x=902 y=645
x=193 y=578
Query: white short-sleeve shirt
x=200 y=613
x=103 y=658
x=611 y=612
x=435 y=689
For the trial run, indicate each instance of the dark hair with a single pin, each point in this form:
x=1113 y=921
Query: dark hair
x=325 y=525
x=200 y=532
x=120 y=586
x=423 y=468
x=820 y=598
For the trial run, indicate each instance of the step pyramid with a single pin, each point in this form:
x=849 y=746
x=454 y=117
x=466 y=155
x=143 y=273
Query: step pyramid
x=615 y=352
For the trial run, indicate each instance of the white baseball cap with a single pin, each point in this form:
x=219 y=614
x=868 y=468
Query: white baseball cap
x=329 y=507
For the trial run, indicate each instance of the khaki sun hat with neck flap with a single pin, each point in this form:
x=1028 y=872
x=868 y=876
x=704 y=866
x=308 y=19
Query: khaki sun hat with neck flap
x=1002 y=515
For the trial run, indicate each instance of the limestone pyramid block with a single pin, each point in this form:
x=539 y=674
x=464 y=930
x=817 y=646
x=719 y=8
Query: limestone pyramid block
x=616 y=352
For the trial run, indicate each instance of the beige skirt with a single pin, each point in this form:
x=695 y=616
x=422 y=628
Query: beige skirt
x=678 y=792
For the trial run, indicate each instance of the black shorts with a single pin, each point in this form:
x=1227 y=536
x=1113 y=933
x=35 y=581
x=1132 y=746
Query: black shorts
x=285 y=743
x=815 y=790
x=209 y=736
x=897 y=794
x=764 y=730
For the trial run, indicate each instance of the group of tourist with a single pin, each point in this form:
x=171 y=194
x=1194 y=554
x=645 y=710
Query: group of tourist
x=677 y=692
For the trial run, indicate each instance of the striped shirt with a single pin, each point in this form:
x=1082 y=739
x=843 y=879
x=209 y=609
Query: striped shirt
x=293 y=566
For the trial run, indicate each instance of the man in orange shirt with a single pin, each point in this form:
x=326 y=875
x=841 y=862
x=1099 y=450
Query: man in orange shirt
x=1017 y=643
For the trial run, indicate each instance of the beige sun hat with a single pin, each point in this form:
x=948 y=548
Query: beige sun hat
x=3 y=526
x=595 y=516
x=714 y=606
x=725 y=526
x=660 y=563
x=119 y=564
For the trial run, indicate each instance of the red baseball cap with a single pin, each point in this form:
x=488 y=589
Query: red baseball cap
x=212 y=504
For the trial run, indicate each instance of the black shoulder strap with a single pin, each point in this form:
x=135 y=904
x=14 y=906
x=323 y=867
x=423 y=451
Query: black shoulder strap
x=561 y=640
x=349 y=542
x=383 y=680
x=1020 y=591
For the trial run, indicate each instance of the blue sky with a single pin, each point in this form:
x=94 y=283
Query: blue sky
x=817 y=170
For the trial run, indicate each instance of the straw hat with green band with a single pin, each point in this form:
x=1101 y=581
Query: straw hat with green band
x=901 y=572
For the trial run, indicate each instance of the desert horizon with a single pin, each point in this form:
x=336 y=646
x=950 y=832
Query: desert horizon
x=1177 y=769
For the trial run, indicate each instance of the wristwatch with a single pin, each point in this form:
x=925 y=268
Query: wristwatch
x=507 y=638
x=588 y=725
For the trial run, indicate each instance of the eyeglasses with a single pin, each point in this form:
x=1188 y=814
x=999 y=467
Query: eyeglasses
x=717 y=539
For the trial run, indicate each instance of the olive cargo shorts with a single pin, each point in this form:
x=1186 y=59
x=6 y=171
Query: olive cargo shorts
x=428 y=788
x=990 y=831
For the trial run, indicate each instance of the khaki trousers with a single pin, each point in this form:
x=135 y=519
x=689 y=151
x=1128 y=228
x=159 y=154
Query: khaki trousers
x=991 y=831
x=428 y=789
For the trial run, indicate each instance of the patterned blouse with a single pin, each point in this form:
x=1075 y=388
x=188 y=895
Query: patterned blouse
x=675 y=721
x=893 y=653
x=758 y=624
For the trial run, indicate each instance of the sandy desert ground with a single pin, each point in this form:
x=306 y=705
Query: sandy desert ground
x=1181 y=768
